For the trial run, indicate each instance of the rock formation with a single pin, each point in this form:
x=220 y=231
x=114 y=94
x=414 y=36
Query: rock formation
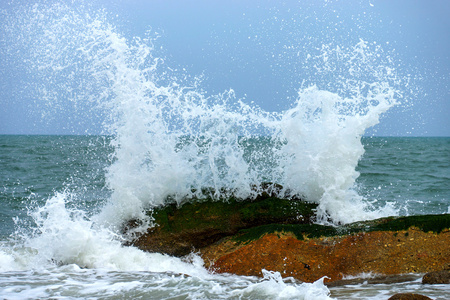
x=408 y=296
x=244 y=237
x=198 y=223
x=311 y=252
x=437 y=277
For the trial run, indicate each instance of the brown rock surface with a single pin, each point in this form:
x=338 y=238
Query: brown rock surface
x=409 y=296
x=382 y=252
x=245 y=237
x=437 y=277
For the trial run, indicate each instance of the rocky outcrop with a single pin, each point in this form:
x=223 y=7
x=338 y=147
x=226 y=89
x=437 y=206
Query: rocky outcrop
x=409 y=296
x=196 y=224
x=308 y=252
x=437 y=277
x=245 y=237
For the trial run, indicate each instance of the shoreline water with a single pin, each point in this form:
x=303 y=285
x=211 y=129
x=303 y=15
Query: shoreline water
x=75 y=283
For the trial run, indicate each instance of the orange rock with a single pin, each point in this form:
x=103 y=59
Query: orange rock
x=378 y=252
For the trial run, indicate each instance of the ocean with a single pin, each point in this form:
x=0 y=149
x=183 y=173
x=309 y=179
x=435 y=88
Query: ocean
x=160 y=134
x=54 y=187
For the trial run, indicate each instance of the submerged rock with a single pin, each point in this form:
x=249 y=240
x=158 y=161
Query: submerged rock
x=437 y=277
x=409 y=296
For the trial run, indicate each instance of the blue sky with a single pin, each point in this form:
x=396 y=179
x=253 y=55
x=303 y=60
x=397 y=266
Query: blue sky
x=249 y=46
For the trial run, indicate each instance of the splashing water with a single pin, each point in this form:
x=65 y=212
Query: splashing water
x=171 y=139
x=88 y=260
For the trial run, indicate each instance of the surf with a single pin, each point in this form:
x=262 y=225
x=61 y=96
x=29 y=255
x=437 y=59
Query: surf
x=171 y=139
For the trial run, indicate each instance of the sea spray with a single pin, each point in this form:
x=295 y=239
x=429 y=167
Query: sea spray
x=322 y=147
x=172 y=140
x=65 y=236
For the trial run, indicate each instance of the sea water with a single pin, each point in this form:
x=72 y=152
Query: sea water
x=65 y=198
x=53 y=187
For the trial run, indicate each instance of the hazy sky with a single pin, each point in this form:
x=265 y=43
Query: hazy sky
x=254 y=47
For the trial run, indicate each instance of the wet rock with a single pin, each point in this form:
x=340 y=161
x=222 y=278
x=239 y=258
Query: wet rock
x=277 y=234
x=182 y=229
x=310 y=251
x=409 y=296
x=437 y=277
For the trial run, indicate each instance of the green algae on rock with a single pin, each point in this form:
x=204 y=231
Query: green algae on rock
x=426 y=223
x=182 y=229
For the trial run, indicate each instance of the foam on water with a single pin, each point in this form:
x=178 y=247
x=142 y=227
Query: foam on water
x=76 y=283
x=64 y=236
x=172 y=140
x=66 y=245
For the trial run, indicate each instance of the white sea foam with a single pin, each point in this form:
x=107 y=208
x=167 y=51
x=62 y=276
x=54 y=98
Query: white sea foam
x=66 y=236
x=72 y=256
x=273 y=284
x=170 y=138
x=7 y=261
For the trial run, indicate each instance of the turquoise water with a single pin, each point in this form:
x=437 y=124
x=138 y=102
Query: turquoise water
x=412 y=173
x=35 y=167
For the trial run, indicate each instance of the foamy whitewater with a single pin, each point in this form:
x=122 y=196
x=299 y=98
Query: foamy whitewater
x=170 y=139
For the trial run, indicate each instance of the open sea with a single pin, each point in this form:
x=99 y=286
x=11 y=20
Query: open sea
x=65 y=198
x=53 y=187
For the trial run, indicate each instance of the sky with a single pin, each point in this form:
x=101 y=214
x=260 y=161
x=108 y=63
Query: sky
x=255 y=48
